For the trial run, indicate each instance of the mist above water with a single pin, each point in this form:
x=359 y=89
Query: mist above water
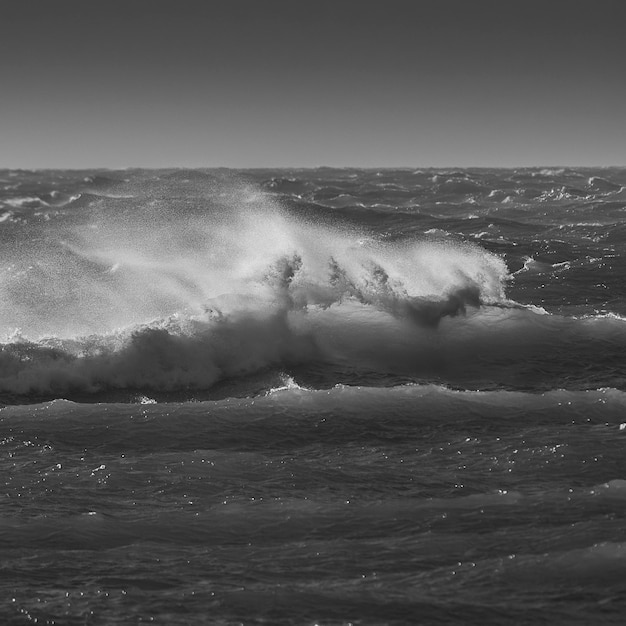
x=116 y=262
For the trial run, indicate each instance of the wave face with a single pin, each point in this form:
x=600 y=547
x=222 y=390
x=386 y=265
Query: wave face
x=313 y=396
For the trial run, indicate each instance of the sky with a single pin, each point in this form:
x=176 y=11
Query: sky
x=277 y=83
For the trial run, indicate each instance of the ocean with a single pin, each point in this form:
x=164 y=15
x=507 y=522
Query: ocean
x=313 y=396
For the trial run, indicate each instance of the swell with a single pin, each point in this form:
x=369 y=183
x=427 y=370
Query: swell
x=294 y=417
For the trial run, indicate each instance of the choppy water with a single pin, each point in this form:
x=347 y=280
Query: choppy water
x=313 y=396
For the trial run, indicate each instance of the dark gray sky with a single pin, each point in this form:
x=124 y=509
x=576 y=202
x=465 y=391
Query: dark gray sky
x=303 y=83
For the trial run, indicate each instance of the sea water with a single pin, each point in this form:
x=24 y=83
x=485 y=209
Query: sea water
x=325 y=396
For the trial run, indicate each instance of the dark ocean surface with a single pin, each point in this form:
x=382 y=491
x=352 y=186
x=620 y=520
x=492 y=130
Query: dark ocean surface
x=324 y=396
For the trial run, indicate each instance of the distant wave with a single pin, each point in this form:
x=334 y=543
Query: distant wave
x=28 y=202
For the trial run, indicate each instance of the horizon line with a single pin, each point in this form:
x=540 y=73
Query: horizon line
x=308 y=167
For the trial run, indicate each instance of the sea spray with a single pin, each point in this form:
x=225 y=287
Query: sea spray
x=179 y=295
x=126 y=261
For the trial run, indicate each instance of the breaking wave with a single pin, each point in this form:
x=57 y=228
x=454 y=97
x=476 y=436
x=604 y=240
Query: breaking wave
x=178 y=298
x=162 y=297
